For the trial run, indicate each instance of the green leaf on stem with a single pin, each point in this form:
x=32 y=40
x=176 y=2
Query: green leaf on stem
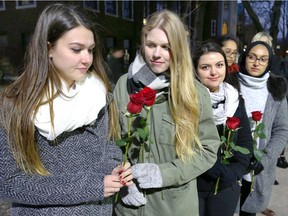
x=142 y=134
x=121 y=142
x=241 y=150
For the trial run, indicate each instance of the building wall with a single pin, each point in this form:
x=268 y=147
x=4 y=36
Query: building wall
x=18 y=26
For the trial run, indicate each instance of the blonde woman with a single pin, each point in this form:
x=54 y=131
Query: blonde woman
x=263 y=36
x=184 y=136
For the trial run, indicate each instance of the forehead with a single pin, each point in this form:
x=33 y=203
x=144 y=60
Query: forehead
x=157 y=35
x=230 y=44
x=211 y=57
x=78 y=34
x=259 y=50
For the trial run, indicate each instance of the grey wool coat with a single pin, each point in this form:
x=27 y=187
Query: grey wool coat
x=78 y=164
x=275 y=118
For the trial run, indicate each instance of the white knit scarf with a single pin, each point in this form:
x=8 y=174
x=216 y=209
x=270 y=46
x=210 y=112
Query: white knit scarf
x=78 y=107
x=227 y=109
x=254 y=91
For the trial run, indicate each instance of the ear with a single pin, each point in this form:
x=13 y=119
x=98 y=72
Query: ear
x=49 y=49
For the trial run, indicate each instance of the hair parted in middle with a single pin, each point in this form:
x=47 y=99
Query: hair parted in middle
x=184 y=105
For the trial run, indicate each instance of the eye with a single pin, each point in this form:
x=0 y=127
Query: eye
x=251 y=57
x=264 y=60
x=204 y=67
x=150 y=45
x=91 y=50
x=76 y=50
x=165 y=47
x=220 y=65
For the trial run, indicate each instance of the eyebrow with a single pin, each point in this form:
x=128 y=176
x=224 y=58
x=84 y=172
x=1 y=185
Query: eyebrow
x=150 y=41
x=222 y=61
x=257 y=55
x=80 y=44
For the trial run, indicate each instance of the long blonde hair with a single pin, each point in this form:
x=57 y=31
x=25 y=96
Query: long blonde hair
x=184 y=106
x=22 y=98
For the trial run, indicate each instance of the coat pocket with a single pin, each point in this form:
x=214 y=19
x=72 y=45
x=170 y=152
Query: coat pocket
x=167 y=130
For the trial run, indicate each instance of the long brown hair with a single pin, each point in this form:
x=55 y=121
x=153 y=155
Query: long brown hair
x=21 y=100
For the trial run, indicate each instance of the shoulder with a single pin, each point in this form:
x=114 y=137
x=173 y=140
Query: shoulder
x=201 y=89
x=277 y=86
x=120 y=90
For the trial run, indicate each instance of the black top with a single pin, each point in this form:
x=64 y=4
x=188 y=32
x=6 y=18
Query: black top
x=238 y=166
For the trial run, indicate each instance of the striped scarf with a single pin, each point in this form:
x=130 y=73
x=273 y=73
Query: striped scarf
x=139 y=76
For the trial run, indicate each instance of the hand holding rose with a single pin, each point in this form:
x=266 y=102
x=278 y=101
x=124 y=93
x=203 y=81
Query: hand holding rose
x=120 y=176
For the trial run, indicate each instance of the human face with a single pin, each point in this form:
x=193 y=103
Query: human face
x=230 y=49
x=157 y=52
x=255 y=60
x=211 y=70
x=72 y=54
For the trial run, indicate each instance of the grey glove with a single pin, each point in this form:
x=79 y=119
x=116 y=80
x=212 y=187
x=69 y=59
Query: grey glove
x=134 y=197
x=148 y=175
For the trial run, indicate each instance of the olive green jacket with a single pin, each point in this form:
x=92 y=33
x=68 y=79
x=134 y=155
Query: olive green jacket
x=178 y=196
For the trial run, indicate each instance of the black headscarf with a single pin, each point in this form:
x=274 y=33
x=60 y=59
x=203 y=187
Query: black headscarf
x=242 y=59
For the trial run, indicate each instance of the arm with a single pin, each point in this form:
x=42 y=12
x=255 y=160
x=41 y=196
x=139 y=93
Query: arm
x=240 y=162
x=177 y=172
x=62 y=188
x=278 y=134
x=238 y=166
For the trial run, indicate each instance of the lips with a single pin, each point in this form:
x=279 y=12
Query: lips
x=83 y=70
x=255 y=69
x=156 y=62
x=214 y=79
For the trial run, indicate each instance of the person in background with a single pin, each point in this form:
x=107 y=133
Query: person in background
x=229 y=44
x=263 y=36
x=184 y=138
x=115 y=62
x=212 y=71
x=57 y=154
x=265 y=92
x=277 y=68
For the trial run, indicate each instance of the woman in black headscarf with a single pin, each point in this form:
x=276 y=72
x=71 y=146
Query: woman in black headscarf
x=265 y=92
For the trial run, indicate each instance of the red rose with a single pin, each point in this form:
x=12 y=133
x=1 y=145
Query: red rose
x=135 y=104
x=134 y=108
x=232 y=123
x=149 y=96
x=256 y=115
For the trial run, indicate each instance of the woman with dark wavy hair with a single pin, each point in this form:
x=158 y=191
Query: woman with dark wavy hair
x=212 y=71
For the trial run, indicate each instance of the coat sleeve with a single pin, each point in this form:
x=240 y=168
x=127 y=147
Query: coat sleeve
x=54 y=189
x=238 y=166
x=279 y=134
x=177 y=172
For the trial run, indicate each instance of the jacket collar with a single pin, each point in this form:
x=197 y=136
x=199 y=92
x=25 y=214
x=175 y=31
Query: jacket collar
x=277 y=87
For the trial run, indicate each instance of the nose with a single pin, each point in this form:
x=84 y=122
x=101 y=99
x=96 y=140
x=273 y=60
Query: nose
x=256 y=62
x=156 y=52
x=87 y=57
x=213 y=71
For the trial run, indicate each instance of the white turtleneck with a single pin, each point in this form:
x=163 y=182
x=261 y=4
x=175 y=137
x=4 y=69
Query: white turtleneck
x=254 y=91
